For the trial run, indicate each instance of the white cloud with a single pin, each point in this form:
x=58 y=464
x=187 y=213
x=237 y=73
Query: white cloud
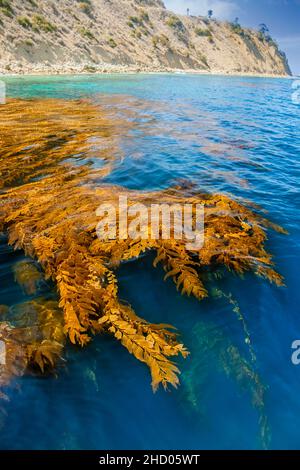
x=226 y=9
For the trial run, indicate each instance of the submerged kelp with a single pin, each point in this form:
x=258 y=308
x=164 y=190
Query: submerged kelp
x=33 y=336
x=28 y=276
x=214 y=345
x=51 y=215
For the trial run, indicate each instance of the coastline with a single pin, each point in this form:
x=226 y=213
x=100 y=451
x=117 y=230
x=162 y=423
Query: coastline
x=110 y=37
x=107 y=69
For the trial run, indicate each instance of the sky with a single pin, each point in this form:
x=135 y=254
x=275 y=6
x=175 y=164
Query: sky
x=281 y=16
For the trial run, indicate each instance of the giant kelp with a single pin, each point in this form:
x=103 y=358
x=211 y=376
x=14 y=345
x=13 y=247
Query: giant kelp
x=48 y=209
x=216 y=347
x=37 y=135
x=33 y=336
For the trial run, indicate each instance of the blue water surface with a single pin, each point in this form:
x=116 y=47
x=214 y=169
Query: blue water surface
x=235 y=135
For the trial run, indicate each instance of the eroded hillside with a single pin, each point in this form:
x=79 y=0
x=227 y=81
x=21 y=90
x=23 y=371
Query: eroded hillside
x=108 y=35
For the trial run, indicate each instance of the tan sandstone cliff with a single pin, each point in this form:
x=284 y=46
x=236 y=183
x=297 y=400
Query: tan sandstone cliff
x=115 y=35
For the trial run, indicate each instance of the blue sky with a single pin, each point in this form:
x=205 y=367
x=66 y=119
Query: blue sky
x=281 y=16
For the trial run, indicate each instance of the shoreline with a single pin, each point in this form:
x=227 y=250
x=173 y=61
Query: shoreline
x=109 y=69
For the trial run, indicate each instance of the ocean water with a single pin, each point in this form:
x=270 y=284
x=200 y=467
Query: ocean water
x=235 y=135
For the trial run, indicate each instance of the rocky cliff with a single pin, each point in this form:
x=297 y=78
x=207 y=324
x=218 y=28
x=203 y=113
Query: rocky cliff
x=116 y=35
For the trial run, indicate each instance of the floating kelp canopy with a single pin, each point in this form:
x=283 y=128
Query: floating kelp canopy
x=50 y=195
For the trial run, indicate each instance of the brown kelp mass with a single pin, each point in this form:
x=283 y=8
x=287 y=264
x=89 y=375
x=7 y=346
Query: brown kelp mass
x=51 y=189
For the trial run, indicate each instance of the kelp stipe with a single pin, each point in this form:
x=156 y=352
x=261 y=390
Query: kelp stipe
x=219 y=294
x=216 y=348
x=51 y=216
x=249 y=378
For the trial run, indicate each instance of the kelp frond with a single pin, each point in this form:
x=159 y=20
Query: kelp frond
x=37 y=135
x=53 y=220
x=28 y=276
x=32 y=334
